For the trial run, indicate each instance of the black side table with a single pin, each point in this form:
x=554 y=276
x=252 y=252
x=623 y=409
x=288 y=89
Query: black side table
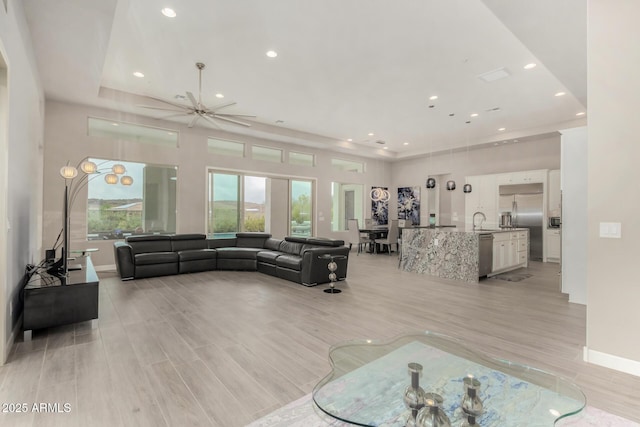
x=332 y=266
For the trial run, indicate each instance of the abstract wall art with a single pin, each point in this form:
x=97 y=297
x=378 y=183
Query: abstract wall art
x=409 y=204
x=380 y=209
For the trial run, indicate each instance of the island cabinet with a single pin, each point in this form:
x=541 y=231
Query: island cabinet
x=510 y=250
x=483 y=198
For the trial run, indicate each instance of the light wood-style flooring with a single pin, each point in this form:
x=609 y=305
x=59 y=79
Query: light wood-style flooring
x=224 y=348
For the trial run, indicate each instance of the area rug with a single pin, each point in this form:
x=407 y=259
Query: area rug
x=303 y=413
x=513 y=276
x=372 y=393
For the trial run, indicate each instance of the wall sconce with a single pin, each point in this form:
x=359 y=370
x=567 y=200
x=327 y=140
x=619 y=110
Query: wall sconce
x=467 y=188
x=451 y=185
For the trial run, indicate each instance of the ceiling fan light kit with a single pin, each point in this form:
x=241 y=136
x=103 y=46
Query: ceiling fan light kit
x=197 y=109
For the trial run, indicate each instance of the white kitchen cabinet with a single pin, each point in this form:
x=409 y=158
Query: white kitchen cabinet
x=510 y=251
x=553 y=245
x=523 y=177
x=553 y=202
x=483 y=198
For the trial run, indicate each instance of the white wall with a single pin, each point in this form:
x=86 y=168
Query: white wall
x=66 y=139
x=613 y=288
x=20 y=168
x=542 y=153
x=574 y=214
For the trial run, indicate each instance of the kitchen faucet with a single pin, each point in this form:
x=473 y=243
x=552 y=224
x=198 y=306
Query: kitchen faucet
x=484 y=218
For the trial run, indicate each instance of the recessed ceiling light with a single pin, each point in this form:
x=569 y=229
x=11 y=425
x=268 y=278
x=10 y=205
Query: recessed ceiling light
x=504 y=142
x=350 y=139
x=495 y=143
x=530 y=66
x=115 y=124
x=581 y=113
x=168 y=12
x=138 y=74
x=560 y=94
x=474 y=114
x=405 y=143
x=501 y=129
x=515 y=140
x=433 y=98
x=219 y=95
x=370 y=134
x=272 y=54
x=385 y=148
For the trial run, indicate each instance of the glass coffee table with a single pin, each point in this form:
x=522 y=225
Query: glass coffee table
x=369 y=379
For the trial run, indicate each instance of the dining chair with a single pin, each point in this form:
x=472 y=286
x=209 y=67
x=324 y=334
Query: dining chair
x=355 y=237
x=392 y=236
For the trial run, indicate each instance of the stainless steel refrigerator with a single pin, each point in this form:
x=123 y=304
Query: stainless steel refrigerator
x=524 y=203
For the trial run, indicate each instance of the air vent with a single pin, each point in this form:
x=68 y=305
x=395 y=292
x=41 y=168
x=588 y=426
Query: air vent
x=492 y=76
x=380 y=142
x=491 y=110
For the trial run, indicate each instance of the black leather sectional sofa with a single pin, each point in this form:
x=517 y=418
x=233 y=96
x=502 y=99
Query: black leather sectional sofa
x=294 y=258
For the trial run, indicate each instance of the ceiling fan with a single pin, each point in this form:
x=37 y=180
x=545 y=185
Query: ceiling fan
x=197 y=109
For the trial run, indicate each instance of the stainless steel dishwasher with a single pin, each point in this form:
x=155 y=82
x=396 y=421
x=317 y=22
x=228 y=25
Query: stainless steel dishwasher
x=485 y=261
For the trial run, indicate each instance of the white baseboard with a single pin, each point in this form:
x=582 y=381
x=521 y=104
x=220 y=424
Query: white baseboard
x=110 y=267
x=12 y=339
x=611 y=361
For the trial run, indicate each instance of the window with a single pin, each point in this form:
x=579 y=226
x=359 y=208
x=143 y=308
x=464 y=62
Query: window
x=301 y=159
x=148 y=205
x=225 y=148
x=132 y=132
x=347 y=165
x=301 y=204
x=267 y=154
x=236 y=203
x=346 y=204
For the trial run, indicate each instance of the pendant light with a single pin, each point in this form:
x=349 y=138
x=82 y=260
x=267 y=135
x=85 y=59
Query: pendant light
x=467 y=187
x=431 y=182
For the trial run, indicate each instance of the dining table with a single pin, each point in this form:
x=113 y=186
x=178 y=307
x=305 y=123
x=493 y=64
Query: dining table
x=374 y=233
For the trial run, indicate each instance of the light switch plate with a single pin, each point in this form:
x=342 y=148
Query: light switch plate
x=611 y=230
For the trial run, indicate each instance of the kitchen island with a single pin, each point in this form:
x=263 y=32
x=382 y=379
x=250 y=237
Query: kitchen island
x=453 y=253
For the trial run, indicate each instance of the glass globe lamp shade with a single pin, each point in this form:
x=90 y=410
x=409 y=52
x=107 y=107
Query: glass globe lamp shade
x=68 y=172
x=467 y=188
x=88 y=167
x=126 y=180
x=431 y=183
x=451 y=185
x=118 y=169
x=111 y=178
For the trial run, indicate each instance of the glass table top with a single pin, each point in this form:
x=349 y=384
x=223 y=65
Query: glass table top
x=369 y=378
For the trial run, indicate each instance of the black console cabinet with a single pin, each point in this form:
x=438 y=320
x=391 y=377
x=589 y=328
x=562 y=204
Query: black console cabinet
x=53 y=301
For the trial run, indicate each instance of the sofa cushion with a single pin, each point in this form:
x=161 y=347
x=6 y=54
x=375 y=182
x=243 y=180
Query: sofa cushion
x=269 y=256
x=238 y=253
x=197 y=254
x=296 y=239
x=291 y=247
x=293 y=262
x=156 y=258
x=153 y=243
x=251 y=240
x=318 y=241
x=181 y=242
x=221 y=243
x=272 y=244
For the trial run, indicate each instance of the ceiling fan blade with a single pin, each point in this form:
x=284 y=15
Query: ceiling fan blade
x=194 y=120
x=193 y=100
x=234 y=115
x=221 y=106
x=209 y=120
x=161 y=108
x=226 y=119
x=172 y=115
x=175 y=104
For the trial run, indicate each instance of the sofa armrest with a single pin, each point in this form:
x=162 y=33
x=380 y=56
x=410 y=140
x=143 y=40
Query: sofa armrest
x=315 y=271
x=123 y=255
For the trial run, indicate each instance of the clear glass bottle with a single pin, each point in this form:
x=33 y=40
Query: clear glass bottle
x=471 y=403
x=414 y=395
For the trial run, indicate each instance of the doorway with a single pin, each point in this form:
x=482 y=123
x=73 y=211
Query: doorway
x=5 y=312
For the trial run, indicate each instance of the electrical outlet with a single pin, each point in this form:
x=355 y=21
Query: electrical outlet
x=435 y=242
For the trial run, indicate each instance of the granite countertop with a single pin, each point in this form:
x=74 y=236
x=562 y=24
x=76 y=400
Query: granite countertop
x=469 y=230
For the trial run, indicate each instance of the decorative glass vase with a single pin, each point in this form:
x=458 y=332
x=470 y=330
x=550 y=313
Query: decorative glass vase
x=432 y=415
x=414 y=395
x=471 y=403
